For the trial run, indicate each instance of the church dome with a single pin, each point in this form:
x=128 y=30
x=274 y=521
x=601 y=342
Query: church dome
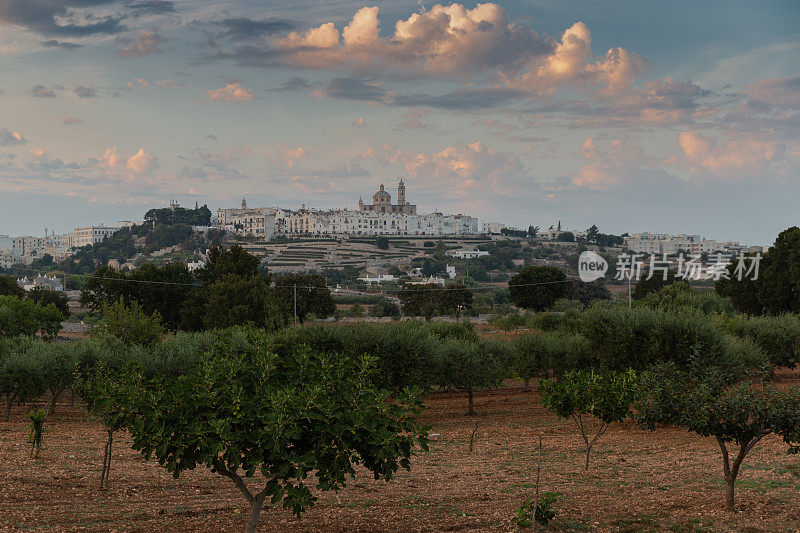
x=382 y=195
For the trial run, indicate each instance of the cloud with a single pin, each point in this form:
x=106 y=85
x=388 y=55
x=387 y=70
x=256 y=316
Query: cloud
x=357 y=89
x=82 y=91
x=738 y=158
x=604 y=171
x=360 y=122
x=40 y=91
x=287 y=157
x=11 y=138
x=777 y=91
x=60 y=44
x=220 y=160
x=119 y=166
x=151 y=7
x=294 y=83
x=462 y=168
x=244 y=28
x=70 y=121
x=145 y=44
x=66 y=18
x=449 y=40
x=232 y=92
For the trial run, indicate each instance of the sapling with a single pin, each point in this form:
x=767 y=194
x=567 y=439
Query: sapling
x=607 y=396
x=37 y=419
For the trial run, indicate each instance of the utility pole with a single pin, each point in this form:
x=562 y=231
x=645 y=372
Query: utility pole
x=295 y=305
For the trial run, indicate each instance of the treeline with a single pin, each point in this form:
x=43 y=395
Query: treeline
x=230 y=290
x=199 y=216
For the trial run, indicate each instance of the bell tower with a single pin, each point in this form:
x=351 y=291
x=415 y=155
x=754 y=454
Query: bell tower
x=401 y=193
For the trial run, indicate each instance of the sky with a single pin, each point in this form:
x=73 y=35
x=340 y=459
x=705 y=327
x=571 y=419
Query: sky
x=669 y=117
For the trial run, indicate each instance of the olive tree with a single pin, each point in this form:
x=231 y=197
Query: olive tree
x=606 y=396
x=242 y=412
x=738 y=416
x=468 y=365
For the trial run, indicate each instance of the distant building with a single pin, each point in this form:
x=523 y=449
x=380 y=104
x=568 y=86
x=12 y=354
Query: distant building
x=467 y=254
x=258 y=222
x=48 y=282
x=91 y=235
x=382 y=202
x=493 y=228
x=662 y=243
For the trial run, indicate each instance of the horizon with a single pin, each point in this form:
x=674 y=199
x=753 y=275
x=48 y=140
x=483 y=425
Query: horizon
x=515 y=112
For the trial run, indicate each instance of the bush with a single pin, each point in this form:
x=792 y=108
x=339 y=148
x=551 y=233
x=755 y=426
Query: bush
x=543 y=354
x=680 y=295
x=130 y=323
x=21 y=379
x=776 y=336
x=20 y=317
x=529 y=511
x=468 y=366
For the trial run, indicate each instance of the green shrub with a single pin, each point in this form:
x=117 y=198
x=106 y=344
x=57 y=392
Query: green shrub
x=469 y=366
x=130 y=323
x=529 y=511
x=777 y=336
x=681 y=295
x=37 y=419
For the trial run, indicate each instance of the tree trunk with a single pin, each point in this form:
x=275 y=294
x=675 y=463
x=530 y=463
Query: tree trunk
x=527 y=383
x=255 y=512
x=53 y=400
x=471 y=411
x=8 y=407
x=588 y=450
x=730 y=483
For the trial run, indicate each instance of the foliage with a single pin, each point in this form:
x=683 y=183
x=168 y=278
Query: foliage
x=607 y=396
x=566 y=236
x=565 y=304
x=382 y=242
x=385 y=307
x=130 y=323
x=9 y=287
x=681 y=295
x=702 y=401
x=221 y=263
x=636 y=338
x=236 y=301
x=587 y=293
x=538 y=287
x=313 y=296
x=21 y=379
x=543 y=354
x=455 y=298
x=20 y=317
x=420 y=300
x=466 y=365
x=530 y=511
x=247 y=411
x=43 y=297
x=777 y=289
x=648 y=283
x=179 y=215
x=37 y=419
x=776 y=336
x=355 y=311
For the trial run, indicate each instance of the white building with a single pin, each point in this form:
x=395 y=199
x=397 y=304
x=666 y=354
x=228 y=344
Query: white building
x=467 y=254
x=493 y=228
x=90 y=235
x=259 y=222
x=662 y=243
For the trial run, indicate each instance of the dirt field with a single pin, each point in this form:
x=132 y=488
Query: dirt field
x=638 y=481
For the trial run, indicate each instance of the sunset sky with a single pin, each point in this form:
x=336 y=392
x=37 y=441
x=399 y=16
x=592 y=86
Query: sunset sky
x=674 y=117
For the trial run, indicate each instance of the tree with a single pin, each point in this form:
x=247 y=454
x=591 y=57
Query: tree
x=778 y=283
x=355 y=311
x=648 y=284
x=455 y=298
x=9 y=287
x=533 y=231
x=382 y=242
x=130 y=323
x=705 y=404
x=239 y=301
x=592 y=233
x=21 y=379
x=586 y=293
x=468 y=365
x=313 y=296
x=538 y=287
x=20 y=317
x=566 y=236
x=234 y=261
x=163 y=289
x=606 y=396
x=440 y=251
x=44 y=297
x=420 y=300
x=242 y=412
x=385 y=307
x=105 y=286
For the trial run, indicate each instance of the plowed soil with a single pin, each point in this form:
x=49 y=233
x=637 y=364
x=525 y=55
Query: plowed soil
x=638 y=480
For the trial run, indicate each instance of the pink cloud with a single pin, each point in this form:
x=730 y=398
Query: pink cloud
x=146 y=43
x=741 y=157
x=232 y=92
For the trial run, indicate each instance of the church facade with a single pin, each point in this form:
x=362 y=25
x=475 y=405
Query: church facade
x=382 y=202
